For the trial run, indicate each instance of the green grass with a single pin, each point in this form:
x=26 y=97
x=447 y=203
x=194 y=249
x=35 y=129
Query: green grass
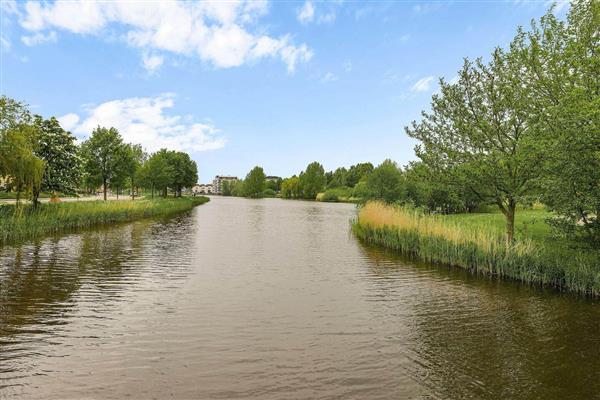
x=26 y=223
x=476 y=242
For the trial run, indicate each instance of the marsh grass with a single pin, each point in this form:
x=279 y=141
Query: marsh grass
x=25 y=222
x=477 y=247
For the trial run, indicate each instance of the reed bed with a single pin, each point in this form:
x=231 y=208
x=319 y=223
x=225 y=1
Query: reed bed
x=439 y=240
x=26 y=223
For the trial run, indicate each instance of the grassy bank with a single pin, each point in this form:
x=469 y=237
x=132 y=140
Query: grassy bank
x=477 y=243
x=27 y=223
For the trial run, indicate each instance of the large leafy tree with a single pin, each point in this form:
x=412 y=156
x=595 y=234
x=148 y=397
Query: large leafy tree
x=185 y=171
x=312 y=181
x=102 y=154
x=57 y=148
x=254 y=184
x=562 y=66
x=386 y=182
x=478 y=130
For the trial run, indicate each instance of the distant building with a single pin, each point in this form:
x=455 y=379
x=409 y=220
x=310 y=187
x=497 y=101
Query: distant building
x=202 y=188
x=218 y=182
x=272 y=178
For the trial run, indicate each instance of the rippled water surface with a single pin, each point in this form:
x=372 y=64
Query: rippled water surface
x=272 y=299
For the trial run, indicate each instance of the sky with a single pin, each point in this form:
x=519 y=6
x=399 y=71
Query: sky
x=242 y=83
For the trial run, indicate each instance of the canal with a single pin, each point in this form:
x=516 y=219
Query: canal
x=273 y=299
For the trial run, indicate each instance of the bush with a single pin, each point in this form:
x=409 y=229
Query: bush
x=342 y=193
x=268 y=192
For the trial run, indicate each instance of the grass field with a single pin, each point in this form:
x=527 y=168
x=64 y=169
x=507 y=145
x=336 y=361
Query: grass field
x=25 y=222
x=476 y=242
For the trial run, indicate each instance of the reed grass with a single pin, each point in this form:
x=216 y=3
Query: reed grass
x=26 y=223
x=441 y=240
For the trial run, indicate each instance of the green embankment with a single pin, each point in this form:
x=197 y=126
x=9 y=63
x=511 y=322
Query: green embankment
x=25 y=223
x=476 y=242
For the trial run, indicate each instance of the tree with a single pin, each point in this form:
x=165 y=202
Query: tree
x=337 y=178
x=57 y=148
x=357 y=173
x=290 y=188
x=156 y=173
x=133 y=161
x=562 y=65
x=13 y=114
x=312 y=181
x=103 y=155
x=20 y=164
x=385 y=182
x=254 y=184
x=478 y=131
x=185 y=171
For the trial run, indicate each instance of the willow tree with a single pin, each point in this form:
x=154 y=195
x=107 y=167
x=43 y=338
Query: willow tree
x=24 y=170
x=478 y=131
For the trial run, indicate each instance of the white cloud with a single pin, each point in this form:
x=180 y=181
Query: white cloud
x=306 y=13
x=142 y=120
x=38 y=38
x=329 y=77
x=69 y=121
x=216 y=32
x=152 y=62
x=422 y=84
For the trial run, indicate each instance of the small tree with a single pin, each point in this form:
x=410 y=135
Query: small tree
x=103 y=155
x=478 y=131
x=254 y=184
x=386 y=182
x=312 y=181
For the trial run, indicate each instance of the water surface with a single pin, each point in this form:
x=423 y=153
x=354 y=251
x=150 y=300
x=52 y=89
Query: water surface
x=273 y=299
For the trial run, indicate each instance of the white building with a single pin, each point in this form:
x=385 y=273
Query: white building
x=202 y=188
x=218 y=182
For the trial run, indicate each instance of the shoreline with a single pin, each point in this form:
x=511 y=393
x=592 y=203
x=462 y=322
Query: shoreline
x=18 y=226
x=479 y=251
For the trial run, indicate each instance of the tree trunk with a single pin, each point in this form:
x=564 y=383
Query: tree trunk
x=153 y=191
x=509 y=211
x=104 y=187
x=117 y=193
x=510 y=222
x=35 y=194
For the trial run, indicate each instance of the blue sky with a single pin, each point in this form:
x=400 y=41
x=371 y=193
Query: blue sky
x=237 y=84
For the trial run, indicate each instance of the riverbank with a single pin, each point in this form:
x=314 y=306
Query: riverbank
x=473 y=244
x=26 y=223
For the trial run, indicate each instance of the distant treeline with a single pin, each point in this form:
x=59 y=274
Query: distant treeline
x=37 y=155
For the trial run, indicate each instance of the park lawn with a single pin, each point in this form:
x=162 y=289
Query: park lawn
x=530 y=223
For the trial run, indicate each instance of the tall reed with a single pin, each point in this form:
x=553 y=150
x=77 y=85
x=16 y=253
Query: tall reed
x=435 y=239
x=25 y=222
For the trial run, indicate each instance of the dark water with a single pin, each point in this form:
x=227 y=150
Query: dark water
x=272 y=299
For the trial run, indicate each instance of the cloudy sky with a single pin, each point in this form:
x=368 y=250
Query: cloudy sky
x=243 y=83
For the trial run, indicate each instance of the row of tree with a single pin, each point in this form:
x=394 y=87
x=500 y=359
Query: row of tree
x=38 y=155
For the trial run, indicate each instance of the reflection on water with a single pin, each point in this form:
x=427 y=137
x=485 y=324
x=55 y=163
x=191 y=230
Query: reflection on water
x=275 y=299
